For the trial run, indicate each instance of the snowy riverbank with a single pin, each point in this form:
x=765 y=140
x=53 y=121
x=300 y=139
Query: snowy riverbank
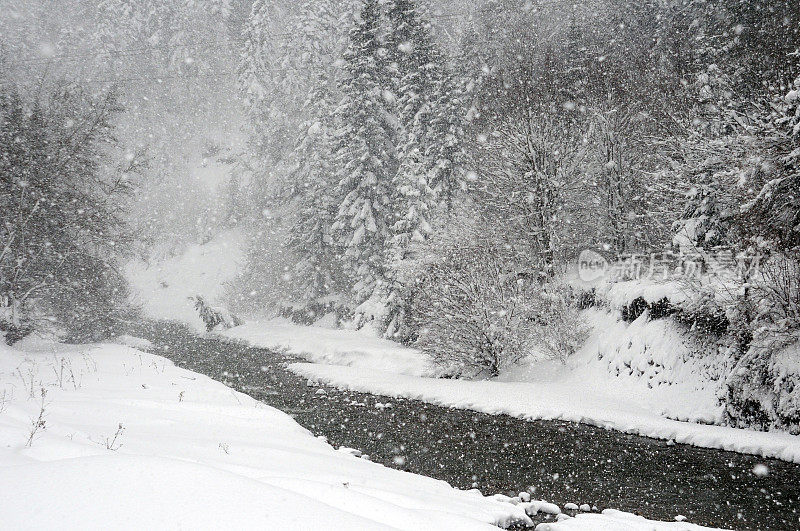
x=331 y=346
x=676 y=402
x=124 y=439
x=128 y=440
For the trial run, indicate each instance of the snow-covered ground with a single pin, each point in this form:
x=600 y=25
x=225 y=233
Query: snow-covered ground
x=353 y=348
x=106 y=436
x=611 y=520
x=162 y=288
x=636 y=378
x=129 y=440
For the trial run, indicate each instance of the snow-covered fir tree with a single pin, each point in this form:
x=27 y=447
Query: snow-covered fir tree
x=444 y=145
x=271 y=92
x=429 y=110
x=315 y=276
x=413 y=69
x=289 y=75
x=429 y=143
x=365 y=147
x=289 y=52
x=316 y=272
x=315 y=280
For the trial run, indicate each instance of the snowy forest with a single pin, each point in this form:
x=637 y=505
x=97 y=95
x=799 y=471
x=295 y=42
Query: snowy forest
x=490 y=188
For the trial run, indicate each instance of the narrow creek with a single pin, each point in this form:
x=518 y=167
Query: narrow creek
x=560 y=462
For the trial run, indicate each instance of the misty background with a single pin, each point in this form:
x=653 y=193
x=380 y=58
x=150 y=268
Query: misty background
x=176 y=68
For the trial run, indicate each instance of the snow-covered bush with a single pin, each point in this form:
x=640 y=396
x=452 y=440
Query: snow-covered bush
x=12 y=330
x=764 y=389
x=557 y=330
x=473 y=317
x=631 y=312
x=476 y=318
x=776 y=291
x=475 y=310
x=703 y=314
x=102 y=309
x=586 y=299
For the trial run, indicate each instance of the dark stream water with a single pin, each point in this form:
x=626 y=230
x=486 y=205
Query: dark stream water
x=561 y=462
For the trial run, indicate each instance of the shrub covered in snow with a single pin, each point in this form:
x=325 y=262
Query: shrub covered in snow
x=704 y=314
x=473 y=316
x=557 y=330
x=311 y=312
x=763 y=391
x=102 y=309
x=631 y=312
x=776 y=291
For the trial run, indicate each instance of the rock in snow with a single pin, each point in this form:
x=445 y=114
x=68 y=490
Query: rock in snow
x=351 y=451
x=537 y=506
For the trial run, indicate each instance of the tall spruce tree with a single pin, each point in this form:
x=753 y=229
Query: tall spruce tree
x=445 y=142
x=270 y=88
x=316 y=276
x=418 y=79
x=289 y=76
x=415 y=66
x=365 y=147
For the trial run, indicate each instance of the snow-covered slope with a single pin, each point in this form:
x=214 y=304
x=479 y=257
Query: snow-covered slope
x=652 y=363
x=128 y=440
x=163 y=288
